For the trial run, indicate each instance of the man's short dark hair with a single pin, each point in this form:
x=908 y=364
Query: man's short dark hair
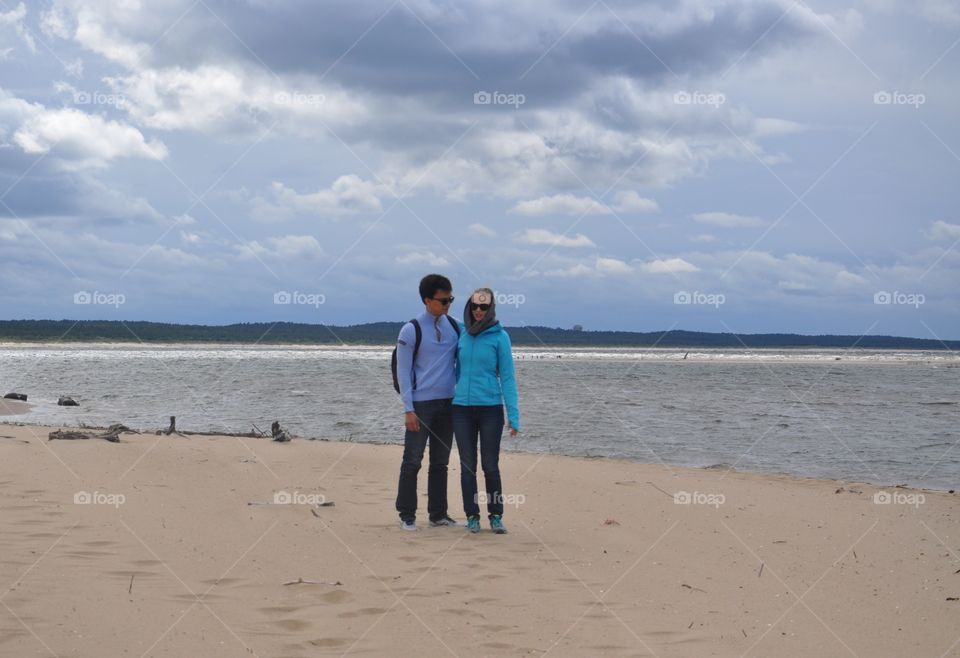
x=430 y=284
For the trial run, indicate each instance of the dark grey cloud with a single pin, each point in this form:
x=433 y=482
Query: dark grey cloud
x=408 y=54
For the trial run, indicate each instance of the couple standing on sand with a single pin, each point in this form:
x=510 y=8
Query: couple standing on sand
x=454 y=379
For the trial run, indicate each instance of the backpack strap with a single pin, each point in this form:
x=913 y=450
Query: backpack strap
x=416 y=348
x=456 y=327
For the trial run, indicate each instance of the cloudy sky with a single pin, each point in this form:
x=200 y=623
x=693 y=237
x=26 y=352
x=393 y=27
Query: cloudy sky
x=742 y=165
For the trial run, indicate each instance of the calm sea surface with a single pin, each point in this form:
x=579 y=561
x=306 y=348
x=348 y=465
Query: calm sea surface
x=881 y=417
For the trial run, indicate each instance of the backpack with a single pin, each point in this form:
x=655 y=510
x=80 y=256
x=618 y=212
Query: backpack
x=416 y=348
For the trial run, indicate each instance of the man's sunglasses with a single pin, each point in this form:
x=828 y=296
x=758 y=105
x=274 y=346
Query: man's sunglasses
x=482 y=307
x=446 y=301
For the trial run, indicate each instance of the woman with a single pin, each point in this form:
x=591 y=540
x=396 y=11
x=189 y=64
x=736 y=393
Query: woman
x=485 y=382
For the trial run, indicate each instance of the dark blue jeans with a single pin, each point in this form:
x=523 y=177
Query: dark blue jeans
x=436 y=427
x=485 y=423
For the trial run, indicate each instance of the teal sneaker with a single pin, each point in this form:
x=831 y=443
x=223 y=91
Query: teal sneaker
x=473 y=524
x=496 y=524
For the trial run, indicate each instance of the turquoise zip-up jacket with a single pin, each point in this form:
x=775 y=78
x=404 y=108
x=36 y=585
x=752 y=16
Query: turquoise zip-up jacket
x=485 y=374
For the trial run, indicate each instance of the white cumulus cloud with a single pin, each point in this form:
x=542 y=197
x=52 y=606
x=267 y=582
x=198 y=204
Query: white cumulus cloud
x=348 y=195
x=76 y=139
x=539 y=236
x=668 y=266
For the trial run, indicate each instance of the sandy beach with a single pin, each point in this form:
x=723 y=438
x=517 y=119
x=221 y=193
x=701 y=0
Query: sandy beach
x=149 y=547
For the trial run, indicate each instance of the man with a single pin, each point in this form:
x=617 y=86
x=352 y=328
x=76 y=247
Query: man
x=427 y=380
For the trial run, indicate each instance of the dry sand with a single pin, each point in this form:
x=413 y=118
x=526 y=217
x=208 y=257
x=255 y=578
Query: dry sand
x=170 y=560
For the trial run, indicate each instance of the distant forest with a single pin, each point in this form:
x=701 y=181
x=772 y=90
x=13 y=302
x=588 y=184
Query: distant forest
x=385 y=333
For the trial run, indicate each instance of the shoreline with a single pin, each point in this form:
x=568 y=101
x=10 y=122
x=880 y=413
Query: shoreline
x=673 y=355
x=10 y=408
x=621 y=461
x=604 y=557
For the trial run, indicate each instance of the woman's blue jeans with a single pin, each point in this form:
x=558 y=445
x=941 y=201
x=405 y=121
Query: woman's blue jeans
x=486 y=424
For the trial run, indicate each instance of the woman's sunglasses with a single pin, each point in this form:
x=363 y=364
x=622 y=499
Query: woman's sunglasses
x=482 y=307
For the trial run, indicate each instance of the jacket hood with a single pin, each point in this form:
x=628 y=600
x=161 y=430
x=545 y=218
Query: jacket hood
x=489 y=320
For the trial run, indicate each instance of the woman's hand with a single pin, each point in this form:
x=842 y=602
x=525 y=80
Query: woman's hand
x=513 y=433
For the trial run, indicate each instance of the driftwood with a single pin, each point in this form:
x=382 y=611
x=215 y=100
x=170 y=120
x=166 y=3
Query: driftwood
x=279 y=434
x=172 y=429
x=257 y=433
x=112 y=434
x=74 y=436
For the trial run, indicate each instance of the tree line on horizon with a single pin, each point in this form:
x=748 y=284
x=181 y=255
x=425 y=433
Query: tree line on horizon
x=385 y=333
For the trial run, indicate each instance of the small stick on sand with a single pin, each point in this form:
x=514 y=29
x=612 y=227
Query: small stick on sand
x=761 y=570
x=669 y=495
x=130 y=589
x=301 y=581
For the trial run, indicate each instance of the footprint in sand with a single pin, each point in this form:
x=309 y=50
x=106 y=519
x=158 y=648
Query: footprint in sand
x=280 y=609
x=461 y=612
x=292 y=624
x=330 y=642
x=362 y=612
x=336 y=596
x=482 y=599
x=88 y=554
x=146 y=563
x=221 y=581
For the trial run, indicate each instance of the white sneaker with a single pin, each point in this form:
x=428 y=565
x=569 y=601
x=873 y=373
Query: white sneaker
x=408 y=525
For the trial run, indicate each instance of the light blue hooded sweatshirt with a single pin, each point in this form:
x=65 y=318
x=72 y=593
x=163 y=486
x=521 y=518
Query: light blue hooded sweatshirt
x=480 y=359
